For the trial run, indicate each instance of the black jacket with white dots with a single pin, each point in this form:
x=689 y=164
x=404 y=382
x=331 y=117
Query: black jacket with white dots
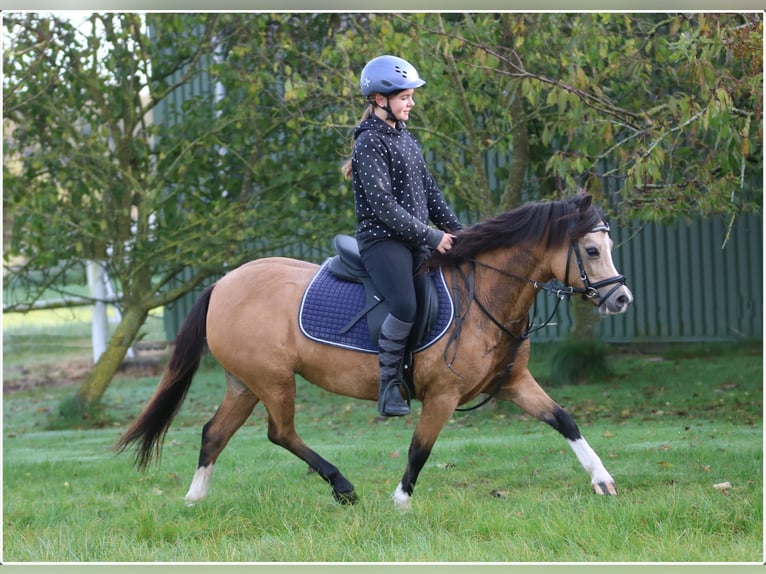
x=395 y=195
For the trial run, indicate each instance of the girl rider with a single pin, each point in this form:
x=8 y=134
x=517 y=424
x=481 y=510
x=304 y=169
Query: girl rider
x=395 y=196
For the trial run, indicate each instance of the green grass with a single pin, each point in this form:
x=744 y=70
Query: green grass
x=499 y=486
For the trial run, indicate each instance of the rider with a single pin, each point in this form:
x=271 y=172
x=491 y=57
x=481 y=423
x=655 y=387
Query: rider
x=395 y=196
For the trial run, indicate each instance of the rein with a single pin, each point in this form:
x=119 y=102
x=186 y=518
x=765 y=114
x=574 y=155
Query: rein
x=455 y=335
x=588 y=291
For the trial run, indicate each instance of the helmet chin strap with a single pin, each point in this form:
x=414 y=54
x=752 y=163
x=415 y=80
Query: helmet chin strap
x=390 y=115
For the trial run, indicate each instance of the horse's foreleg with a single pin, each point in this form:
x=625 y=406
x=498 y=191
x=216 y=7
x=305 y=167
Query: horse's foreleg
x=434 y=415
x=527 y=394
x=237 y=405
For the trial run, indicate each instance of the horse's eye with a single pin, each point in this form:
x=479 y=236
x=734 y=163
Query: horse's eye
x=592 y=252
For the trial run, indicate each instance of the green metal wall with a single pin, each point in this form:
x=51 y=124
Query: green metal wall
x=686 y=285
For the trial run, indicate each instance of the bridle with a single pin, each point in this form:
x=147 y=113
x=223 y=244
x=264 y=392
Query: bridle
x=589 y=290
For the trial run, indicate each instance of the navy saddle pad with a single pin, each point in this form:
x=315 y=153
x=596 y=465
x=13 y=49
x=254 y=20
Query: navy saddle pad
x=330 y=303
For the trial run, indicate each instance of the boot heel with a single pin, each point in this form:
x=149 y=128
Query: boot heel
x=390 y=402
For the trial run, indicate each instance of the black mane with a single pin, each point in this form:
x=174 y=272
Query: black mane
x=550 y=222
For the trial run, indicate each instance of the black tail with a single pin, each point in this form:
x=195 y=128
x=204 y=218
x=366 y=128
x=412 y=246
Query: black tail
x=154 y=421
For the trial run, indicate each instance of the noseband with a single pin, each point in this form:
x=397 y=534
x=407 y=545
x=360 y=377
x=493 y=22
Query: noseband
x=590 y=290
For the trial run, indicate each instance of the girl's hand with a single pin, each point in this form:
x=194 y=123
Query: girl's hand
x=446 y=243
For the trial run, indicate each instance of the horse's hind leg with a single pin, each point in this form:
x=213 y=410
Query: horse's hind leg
x=527 y=394
x=237 y=405
x=281 y=409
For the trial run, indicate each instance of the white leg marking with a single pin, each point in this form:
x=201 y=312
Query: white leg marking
x=402 y=500
x=200 y=484
x=592 y=463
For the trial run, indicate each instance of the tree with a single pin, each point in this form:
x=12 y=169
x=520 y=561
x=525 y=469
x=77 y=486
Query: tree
x=91 y=176
x=665 y=108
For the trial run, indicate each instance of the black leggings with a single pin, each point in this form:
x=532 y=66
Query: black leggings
x=392 y=265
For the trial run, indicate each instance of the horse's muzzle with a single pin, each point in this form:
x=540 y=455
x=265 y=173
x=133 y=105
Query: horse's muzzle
x=616 y=301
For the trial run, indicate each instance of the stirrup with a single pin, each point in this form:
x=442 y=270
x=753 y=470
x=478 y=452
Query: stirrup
x=390 y=402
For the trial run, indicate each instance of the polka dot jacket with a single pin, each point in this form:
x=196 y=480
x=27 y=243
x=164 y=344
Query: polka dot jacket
x=394 y=193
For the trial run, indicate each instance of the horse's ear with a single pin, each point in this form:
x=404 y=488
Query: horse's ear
x=585 y=201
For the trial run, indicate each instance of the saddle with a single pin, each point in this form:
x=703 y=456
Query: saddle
x=347 y=265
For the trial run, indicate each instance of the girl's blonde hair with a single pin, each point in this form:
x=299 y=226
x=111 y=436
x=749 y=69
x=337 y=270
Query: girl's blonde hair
x=346 y=167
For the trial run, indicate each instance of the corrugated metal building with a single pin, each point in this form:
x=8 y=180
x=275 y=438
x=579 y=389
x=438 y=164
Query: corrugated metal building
x=687 y=285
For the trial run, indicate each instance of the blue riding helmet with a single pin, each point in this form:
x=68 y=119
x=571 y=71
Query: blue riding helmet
x=387 y=74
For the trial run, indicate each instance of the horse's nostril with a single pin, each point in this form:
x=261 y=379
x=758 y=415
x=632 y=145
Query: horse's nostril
x=623 y=301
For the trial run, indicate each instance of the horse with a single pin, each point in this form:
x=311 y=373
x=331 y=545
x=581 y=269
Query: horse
x=247 y=319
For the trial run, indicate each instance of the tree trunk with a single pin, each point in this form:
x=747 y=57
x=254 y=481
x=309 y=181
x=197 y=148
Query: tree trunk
x=520 y=158
x=581 y=357
x=519 y=131
x=91 y=391
x=584 y=321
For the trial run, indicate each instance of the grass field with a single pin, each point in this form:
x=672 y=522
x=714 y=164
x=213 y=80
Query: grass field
x=671 y=426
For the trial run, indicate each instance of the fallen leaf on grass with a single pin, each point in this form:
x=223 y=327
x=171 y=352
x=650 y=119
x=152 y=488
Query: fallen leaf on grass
x=723 y=487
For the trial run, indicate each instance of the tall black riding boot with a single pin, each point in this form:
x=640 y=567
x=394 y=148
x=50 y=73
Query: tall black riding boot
x=392 y=344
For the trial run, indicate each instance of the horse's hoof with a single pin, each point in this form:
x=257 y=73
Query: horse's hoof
x=605 y=488
x=402 y=500
x=345 y=497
